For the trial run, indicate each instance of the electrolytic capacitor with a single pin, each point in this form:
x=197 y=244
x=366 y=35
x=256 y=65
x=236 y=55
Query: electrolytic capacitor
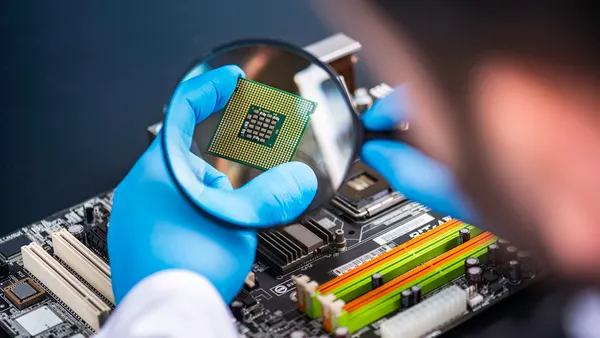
x=474 y=276
x=464 y=234
x=406 y=299
x=237 y=310
x=416 y=294
x=298 y=334
x=376 y=280
x=528 y=268
x=510 y=253
x=493 y=254
x=502 y=244
x=469 y=262
x=514 y=271
x=88 y=212
x=341 y=332
x=77 y=231
x=339 y=241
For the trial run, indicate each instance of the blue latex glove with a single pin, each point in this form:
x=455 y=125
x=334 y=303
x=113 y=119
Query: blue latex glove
x=153 y=227
x=409 y=171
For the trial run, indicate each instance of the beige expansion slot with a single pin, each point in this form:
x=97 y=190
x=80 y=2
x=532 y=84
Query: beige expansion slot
x=83 y=261
x=81 y=300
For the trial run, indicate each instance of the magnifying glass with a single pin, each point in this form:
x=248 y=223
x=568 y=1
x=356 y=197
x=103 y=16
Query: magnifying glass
x=331 y=141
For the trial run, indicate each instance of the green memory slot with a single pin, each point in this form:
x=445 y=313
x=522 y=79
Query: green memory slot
x=311 y=303
x=404 y=263
x=390 y=303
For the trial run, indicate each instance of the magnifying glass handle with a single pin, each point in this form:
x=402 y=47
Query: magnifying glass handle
x=400 y=134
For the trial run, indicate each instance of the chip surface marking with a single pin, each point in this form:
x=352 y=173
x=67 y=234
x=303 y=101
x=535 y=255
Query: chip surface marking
x=261 y=126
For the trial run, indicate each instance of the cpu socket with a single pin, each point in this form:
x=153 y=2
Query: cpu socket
x=365 y=193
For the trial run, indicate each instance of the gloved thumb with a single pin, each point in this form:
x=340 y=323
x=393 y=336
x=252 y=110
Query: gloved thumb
x=281 y=194
x=387 y=112
x=194 y=100
x=418 y=177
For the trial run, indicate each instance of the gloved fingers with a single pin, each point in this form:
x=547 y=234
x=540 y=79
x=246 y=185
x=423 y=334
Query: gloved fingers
x=418 y=177
x=275 y=197
x=208 y=175
x=281 y=194
x=195 y=99
x=230 y=253
x=387 y=112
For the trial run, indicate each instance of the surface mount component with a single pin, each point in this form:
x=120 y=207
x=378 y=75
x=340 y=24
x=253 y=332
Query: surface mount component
x=261 y=126
x=39 y=320
x=13 y=246
x=24 y=293
x=84 y=262
x=365 y=193
x=4 y=271
x=287 y=248
x=65 y=286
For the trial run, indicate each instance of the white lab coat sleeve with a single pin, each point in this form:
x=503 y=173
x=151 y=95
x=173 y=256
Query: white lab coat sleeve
x=582 y=314
x=169 y=304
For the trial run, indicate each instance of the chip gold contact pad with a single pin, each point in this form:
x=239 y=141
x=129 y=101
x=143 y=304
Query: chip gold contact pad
x=261 y=126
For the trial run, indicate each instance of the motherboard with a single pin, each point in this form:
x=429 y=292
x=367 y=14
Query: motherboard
x=377 y=266
x=55 y=276
x=370 y=264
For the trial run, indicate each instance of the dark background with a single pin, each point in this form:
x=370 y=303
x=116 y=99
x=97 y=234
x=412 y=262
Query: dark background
x=81 y=81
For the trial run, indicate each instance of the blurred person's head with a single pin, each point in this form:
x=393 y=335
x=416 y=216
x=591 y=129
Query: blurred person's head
x=506 y=93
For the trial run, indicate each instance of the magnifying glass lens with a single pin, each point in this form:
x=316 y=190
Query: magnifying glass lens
x=328 y=144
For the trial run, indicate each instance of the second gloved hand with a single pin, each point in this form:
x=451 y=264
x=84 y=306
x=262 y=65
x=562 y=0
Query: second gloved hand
x=409 y=171
x=153 y=227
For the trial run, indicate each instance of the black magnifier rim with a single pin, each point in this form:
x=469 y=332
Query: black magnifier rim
x=359 y=129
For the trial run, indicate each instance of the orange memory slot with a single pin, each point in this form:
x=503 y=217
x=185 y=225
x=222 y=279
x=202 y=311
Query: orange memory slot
x=383 y=259
x=417 y=272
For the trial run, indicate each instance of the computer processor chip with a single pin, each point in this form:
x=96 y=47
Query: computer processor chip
x=261 y=126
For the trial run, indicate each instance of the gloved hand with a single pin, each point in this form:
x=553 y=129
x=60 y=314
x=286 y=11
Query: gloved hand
x=153 y=227
x=415 y=175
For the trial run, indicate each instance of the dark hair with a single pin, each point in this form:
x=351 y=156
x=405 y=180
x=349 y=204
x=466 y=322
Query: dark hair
x=453 y=35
